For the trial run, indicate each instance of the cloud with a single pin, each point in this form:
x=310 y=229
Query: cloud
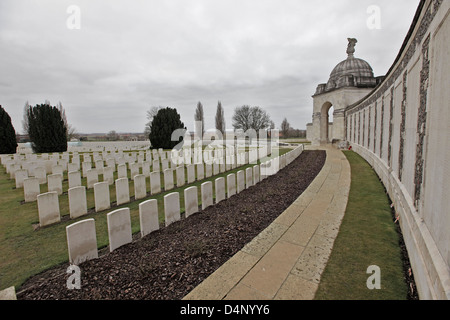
x=129 y=56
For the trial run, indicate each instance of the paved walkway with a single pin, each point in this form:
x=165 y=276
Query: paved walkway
x=287 y=259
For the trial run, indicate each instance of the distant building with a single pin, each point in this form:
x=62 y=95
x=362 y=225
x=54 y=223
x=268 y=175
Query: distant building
x=350 y=81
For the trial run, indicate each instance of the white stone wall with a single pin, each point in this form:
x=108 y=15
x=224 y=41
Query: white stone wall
x=409 y=148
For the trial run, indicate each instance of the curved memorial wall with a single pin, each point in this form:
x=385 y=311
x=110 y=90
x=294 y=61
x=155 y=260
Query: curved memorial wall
x=402 y=128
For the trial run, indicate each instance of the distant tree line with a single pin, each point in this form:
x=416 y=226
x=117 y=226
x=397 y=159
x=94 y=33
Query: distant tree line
x=163 y=121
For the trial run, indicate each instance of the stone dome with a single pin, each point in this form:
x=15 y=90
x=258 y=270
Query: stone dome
x=352 y=66
x=352 y=72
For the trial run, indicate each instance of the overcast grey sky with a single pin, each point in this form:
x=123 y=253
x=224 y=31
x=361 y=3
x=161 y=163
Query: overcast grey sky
x=128 y=56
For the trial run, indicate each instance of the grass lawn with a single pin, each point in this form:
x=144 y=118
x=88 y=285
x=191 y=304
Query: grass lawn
x=367 y=237
x=25 y=251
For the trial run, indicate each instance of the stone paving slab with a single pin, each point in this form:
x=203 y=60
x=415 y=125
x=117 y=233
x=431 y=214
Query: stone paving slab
x=286 y=260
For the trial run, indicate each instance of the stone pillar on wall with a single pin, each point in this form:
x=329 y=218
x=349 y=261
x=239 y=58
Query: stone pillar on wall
x=338 y=126
x=316 y=129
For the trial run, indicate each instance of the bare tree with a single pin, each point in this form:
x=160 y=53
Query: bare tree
x=112 y=135
x=150 y=115
x=200 y=120
x=220 y=119
x=70 y=130
x=247 y=117
x=285 y=128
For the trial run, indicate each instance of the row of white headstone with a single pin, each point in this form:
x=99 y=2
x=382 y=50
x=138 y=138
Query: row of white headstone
x=82 y=238
x=22 y=170
x=48 y=203
x=94 y=146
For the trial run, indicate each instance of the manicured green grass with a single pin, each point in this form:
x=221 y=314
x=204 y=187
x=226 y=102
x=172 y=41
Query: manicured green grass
x=25 y=251
x=367 y=237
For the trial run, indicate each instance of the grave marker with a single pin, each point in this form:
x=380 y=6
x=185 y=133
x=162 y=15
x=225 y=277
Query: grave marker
x=220 y=189
x=190 y=201
x=155 y=182
x=207 y=194
x=122 y=191
x=148 y=216
x=48 y=208
x=231 y=185
x=82 y=241
x=172 y=208
x=77 y=202
x=140 y=187
x=102 y=196
x=31 y=189
x=119 y=228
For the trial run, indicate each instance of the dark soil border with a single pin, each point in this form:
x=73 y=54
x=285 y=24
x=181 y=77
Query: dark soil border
x=169 y=263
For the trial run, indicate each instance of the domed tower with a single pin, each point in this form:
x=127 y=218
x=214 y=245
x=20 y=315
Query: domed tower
x=350 y=81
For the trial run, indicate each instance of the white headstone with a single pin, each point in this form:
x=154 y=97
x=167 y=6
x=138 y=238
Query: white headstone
x=207 y=194
x=122 y=191
x=249 y=177
x=240 y=178
x=73 y=167
x=31 y=189
x=190 y=201
x=146 y=168
x=119 y=228
x=148 y=216
x=20 y=175
x=85 y=166
x=208 y=170
x=200 y=171
x=231 y=185
x=140 y=187
x=216 y=168
x=155 y=165
x=172 y=208
x=48 y=208
x=55 y=183
x=40 y=174
x=134 y=169
x=180 y=176
x=102 y=196
x=165 y=164
x=168 y=179
x=256 y=178
x=82 y=241
x=77 y=202
x=108 y=175
x=122 y=171
x=220 y=189
x=57 y=170
x=92 y=178
x=74 y=179
x=155 y=182
x=190 y=173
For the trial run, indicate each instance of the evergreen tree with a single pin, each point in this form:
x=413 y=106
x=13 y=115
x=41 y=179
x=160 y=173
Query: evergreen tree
x=165 y=122
x=8 y=144
x=47 y=129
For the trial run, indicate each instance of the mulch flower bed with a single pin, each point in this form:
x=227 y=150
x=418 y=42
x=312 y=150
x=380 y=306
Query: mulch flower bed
x=169 y=263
